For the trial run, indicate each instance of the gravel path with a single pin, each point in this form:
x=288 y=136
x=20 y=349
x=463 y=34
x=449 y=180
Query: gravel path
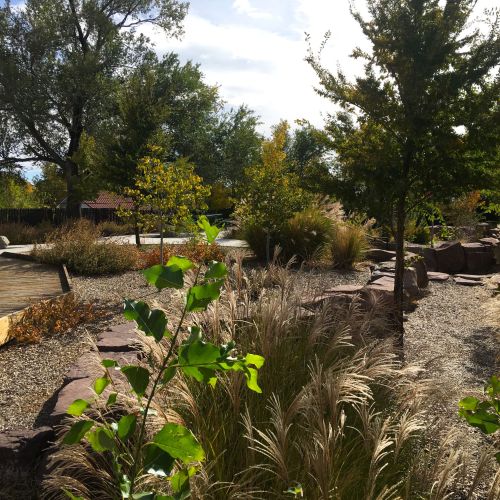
x=450 y=335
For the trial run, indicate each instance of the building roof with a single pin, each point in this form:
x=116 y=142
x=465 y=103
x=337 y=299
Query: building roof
x=105 y=199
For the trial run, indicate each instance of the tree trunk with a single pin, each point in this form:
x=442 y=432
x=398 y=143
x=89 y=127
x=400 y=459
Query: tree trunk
x=400 y=269
x=72 y=198
x=137 y=233
x=268 y=247
x=161 y=239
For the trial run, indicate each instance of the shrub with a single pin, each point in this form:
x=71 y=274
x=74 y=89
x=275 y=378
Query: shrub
x=348 y=245
x=193 y=250
x=22 y=234
x=52 y=317
x=112 y=228
x=306 y=235
x=417 y=233
x=77 y=246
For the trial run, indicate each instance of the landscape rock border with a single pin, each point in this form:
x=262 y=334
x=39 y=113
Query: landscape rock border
x=22 y=447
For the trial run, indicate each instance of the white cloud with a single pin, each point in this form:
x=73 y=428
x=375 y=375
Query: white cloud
x=245 y=7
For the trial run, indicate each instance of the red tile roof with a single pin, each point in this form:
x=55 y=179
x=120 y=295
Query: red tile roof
x=106 y=199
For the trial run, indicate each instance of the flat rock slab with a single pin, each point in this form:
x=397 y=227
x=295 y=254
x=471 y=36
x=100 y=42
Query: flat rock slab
x=76 y=389
x=379 y=255
x=464 y=282
x=474 y=277
x=345 y=289
x=24 y=445
x=434 y=276
x=89 y=365
x=119 y=339
x=490 y=241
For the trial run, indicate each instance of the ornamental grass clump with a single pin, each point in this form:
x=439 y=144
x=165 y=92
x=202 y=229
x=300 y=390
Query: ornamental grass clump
x=139 y=449
x=348 y=244
x=338 y=417
x=77 y=246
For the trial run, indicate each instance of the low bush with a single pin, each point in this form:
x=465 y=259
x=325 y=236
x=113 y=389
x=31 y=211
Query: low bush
x=77 y=246
x=52 y=317
x=22 y=234
x=112 y=228
x=304 y=236
x=193 y=250
x=348 y=245
x=417 y=233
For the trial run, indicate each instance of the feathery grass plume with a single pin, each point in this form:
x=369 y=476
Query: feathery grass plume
x=338 y=415
x=348 y=245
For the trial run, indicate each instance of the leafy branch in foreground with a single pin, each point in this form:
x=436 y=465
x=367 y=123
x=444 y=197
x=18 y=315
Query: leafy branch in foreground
x=485 y=415
x=173 y=453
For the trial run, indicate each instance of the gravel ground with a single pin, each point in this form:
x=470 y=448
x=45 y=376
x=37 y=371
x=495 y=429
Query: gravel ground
x=451 y=336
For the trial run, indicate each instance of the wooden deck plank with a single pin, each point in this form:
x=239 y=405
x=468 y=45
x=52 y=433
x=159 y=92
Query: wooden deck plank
x=23 y=282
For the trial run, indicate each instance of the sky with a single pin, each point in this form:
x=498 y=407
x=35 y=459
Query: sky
x=255 y=50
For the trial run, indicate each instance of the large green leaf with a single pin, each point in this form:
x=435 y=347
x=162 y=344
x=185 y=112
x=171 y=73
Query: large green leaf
x=77 y=407
x=126 y=426
x=100 y=384
x=199 y=297
x=165 y=276
x=211 y=232
x=138 y=378
x=198 y=359
x=182 y=263
x=157 y=462
x=78 y=431
x=101 y=440
x=216 y=270
x=151 y=322
x=180 y=443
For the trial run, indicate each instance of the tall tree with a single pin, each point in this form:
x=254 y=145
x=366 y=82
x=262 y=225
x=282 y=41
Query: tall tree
x=400 y=128
x=308 y=156
x=58 y=63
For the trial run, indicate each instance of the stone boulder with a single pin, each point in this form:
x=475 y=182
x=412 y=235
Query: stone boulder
x=478 y=257
x=430 y=260
x=379 y=255
x=410 y=282
x=450 y=257
x=24 y=446
x=4 y=242
x=421 y=270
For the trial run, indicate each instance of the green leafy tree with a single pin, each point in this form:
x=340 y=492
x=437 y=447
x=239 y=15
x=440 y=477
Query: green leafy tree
x=166 y=193
x=59 y=62
x=173 y=453
x=235 y=146
x=272 y=195
x=50 y=186
x=15 y=192
x=308 y=156
x=398 y=132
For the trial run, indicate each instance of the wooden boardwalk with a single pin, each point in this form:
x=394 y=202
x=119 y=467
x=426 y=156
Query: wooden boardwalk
x=23 y=282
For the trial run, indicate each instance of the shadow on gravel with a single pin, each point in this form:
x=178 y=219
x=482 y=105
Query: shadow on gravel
x=483 y=349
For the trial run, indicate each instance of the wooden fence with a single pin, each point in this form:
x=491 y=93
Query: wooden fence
x=55 y=216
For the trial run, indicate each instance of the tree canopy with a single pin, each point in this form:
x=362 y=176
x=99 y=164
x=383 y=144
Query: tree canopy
x=58 y=63
x=404 y=135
